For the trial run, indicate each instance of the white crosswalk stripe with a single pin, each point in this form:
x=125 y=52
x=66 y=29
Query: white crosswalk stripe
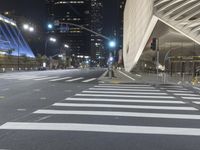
x=124 y=106
x=125 y=100
x=133 y=90
x=59 y=79
x=125 y=96
x=101 y=128
x=76 y=79
x=89 y=80
x=123 y=87
x=113 y=101
x=121 y=114
x=46 y=78
x=126 y=93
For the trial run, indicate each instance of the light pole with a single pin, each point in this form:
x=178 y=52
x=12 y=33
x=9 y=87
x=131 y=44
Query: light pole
x=28 y=28
x=112 y=43
x=51 y=39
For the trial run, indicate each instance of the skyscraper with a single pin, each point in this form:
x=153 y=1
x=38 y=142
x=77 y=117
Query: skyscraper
x=71 y=11
x=87 y=13
x=97 y=43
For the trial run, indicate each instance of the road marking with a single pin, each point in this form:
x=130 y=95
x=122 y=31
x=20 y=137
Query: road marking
x=123 y=87
x=37 y=90
x=21 y=109
x=138 y=75
x=126 y=85
x=59 y=79
x=76 y=79
x=126 y=75
x=131 y=93
x=42 y=118
x=191 y=98
x=89 y=80
x=125 y=106
x=173 y=86
x=6 y=89
x=2 y=97
x=116 y=113
x=125 y=100
x=101 y=128
x=43 y=98
x=196 y=88
x=131 y=96
x=136 y=90
x=47 y=78
x=182 y=94
x=174 y=91
x=196 y=102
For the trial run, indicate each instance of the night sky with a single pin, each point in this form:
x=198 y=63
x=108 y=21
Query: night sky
x=35 y=11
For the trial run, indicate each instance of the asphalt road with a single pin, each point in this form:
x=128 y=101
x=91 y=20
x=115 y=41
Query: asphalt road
x=70 y=110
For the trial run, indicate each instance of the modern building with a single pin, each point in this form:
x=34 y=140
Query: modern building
x=12 y=41
x=174 y=24
x=97 y=43
x=77 y=12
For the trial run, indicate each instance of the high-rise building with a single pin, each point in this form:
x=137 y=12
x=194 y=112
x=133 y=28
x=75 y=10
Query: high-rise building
x=97 y=43
x=71 y=11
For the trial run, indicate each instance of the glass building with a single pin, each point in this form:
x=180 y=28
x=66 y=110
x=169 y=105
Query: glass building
x=12 y=41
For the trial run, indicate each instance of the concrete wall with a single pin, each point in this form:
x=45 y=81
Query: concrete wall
x=139 y=23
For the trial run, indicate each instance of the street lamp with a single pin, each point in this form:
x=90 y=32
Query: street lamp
x=28 y=28
x=112 y=44
x=51 y=39
x=50 y=26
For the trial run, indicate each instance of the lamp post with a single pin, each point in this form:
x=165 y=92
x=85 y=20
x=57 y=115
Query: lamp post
x=51 y=39
x=112 y=43
x=28 y=28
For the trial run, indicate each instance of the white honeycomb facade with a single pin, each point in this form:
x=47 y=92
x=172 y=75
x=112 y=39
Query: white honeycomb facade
x=141 y=16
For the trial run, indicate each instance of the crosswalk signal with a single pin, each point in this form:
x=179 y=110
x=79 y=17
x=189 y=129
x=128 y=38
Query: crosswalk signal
x=154 y=44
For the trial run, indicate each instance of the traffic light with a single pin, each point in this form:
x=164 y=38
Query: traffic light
x=154 y=44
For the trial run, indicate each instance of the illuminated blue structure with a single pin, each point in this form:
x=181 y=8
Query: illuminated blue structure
x=12 y=40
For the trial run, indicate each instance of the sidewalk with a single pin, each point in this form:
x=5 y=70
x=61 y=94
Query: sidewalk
x=121 y=76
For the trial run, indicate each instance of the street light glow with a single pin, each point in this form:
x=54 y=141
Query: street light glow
x=50 y=26
x=112 y=44
x=52 y=39
x=26 y=26
x=31 y=29
x=66 y=46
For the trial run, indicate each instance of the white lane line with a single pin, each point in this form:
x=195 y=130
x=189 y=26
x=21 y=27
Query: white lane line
x=127 y=93
x=124 y=106
x=182 y=94
x=30 y=78
x=126 y=85
x=174 y=91
x=47 y=78
x=101 y=128
x=111 y=89
x=126 y=75
x=131 y=96
x=138 y=75
x=123 y=87
x=59 y=79
x=191 y=98
x=76 y=79
x=89 y=80
x=196 y=88
x=124 y=100
x=196 y=102
x=173 y=86
x=116 y=113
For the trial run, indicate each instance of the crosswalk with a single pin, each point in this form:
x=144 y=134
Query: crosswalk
x=47 y=78
x=130 y=109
